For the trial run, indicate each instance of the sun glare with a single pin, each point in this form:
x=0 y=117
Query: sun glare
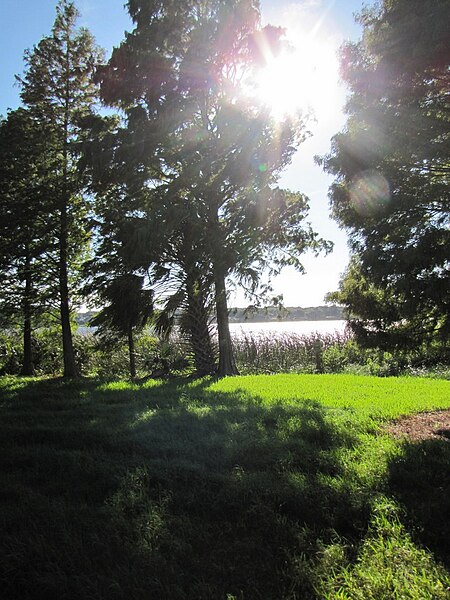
x=304 y=79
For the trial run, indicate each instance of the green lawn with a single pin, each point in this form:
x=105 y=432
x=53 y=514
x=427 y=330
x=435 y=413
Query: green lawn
x=275 y=487
x=386 y=397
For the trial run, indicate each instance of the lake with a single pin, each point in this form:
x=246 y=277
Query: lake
x=282 y=327
x=272 y=327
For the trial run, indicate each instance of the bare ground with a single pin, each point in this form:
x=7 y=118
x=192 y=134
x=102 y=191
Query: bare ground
x=422 y=426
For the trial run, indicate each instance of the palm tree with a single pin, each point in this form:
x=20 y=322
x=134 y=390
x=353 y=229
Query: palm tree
x=128 y=308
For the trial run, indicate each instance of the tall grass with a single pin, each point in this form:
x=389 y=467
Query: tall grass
x=332 y=353
x=286 y=352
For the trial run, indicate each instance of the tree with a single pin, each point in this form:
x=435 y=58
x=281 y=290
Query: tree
x=203 y=158
x=57 y=89
x=179 y=269
x=374 y=313
x=391 y=168
x=26 y=239
x=132 y=244
x=128 y=307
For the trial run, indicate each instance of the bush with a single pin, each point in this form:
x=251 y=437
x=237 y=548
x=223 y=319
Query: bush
x=47 y=352
x=108 y=357
x=10 y=352
x=102 y=357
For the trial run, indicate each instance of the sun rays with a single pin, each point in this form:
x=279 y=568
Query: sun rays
x=300 y=79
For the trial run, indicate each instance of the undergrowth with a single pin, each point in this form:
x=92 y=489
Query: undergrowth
x=255 y=354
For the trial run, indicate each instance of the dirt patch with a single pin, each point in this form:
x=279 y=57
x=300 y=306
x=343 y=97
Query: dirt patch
x=422 y=426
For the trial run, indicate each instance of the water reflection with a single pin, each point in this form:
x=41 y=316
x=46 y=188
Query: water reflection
x=283 y=327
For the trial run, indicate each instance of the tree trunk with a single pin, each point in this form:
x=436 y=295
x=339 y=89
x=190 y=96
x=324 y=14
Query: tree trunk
x=70 y=366
x=131 y=352
x=197 y=327
x=227 y=364
x=27 y=364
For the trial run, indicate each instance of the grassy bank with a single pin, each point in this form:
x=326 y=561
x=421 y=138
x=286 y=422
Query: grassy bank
x=274 y=487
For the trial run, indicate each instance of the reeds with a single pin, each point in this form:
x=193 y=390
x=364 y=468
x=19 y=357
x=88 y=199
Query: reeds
x=291 y=352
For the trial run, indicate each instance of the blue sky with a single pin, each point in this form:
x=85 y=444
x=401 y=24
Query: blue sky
x=24 y=22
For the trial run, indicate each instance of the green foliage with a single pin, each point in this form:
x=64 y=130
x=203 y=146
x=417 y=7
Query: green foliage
x=11 y=350
x=333 y=353
x=388 y=566
x=108 y=358
x=26 y=226
x=46 y=350
x=58 y=91
x=127 y=310
x=391 y=175
x=202 y=160
x=25 y=223
x=103 y=357
x=107 y=355
x=129 y=305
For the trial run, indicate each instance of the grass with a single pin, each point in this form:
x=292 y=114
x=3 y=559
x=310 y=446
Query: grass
x=277 y=487
x=386 y=397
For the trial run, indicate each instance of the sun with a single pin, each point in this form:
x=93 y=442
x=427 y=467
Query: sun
x=302 y=79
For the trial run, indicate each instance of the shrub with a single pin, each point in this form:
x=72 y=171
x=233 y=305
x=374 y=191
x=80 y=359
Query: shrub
x=10 y=352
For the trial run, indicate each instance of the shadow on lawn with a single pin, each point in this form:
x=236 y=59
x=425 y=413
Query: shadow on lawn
x=169 y=492
x=420 y=479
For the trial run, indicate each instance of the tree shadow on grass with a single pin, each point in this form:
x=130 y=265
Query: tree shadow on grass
x=169 y=491
x=420 y=479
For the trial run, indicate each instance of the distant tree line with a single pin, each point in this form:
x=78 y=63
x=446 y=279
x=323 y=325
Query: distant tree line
x=253 y=314
x=286 y=313
x=153 y=211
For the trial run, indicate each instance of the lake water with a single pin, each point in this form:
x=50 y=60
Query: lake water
x=273 y=328
x=283 y=327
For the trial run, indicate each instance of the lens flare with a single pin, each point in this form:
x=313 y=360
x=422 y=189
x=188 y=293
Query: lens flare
x=370 y=193
x=300 y=80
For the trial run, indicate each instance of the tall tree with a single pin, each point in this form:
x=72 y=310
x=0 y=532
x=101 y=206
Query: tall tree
x=58 y=90
x=205 y=156
x=128 y=242
x=26 y=228
x=391 y=167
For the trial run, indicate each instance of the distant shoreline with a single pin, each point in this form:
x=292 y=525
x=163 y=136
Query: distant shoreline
x=288 y=313
x=263 y=315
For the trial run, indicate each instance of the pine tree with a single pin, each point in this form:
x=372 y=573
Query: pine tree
x=57 y=88
x=391 y=168
x=26 y=227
